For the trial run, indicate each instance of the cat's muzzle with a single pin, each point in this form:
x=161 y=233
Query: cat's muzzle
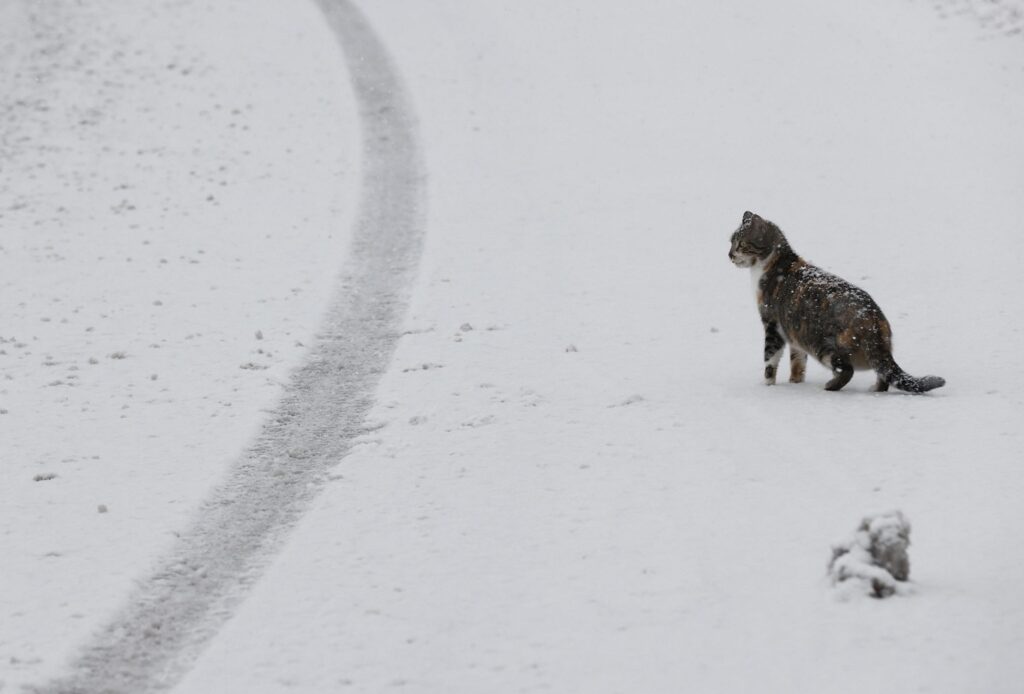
x=741 y=259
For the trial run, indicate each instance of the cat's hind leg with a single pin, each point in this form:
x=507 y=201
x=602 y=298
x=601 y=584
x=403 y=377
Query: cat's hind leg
x=881 y=385
x=773 y=346
x=842 y=372
x=797 y=364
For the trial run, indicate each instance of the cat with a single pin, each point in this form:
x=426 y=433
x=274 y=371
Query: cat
x=816 y=313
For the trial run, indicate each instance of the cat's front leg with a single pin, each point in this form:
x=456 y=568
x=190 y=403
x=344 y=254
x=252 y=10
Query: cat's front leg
x=797 y=364
x=773 y=346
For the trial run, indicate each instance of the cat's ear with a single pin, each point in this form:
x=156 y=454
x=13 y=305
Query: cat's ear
x=747 y=216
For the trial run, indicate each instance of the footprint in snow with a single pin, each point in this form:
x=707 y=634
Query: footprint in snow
x=423 y=367
x=631 y=400
x=477 y=422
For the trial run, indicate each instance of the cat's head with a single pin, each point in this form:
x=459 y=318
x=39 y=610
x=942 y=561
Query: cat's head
x=754 y=241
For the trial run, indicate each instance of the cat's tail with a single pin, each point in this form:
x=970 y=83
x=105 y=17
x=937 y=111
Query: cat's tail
x=890 y=372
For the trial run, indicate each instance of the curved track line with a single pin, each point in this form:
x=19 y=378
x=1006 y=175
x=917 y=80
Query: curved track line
x=178 y=609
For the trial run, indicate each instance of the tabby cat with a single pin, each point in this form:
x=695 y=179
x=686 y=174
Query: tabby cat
x=816 y=313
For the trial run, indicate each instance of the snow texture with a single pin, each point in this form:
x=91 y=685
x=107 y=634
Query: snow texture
x=997 y=17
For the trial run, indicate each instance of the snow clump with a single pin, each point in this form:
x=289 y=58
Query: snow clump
x=874 y=561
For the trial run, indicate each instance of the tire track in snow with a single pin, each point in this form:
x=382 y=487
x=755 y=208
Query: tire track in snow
x=177 y=610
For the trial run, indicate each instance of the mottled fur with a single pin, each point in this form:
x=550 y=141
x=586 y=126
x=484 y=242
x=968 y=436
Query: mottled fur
x=816 y=313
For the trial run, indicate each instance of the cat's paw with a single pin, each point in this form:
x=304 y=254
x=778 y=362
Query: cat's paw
x=796 y=378
x=769 y=375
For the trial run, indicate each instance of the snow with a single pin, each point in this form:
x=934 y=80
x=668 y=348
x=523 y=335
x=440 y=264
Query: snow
x=590 y=490
x=165 y=195
x=874 y=561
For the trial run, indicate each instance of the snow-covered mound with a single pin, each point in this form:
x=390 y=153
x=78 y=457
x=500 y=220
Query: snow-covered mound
x=875 y=559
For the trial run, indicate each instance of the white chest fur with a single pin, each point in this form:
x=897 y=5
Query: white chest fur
x=756 y=273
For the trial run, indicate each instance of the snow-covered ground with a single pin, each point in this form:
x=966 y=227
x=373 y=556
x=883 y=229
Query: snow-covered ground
x=576 y=481
x=175 y=202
